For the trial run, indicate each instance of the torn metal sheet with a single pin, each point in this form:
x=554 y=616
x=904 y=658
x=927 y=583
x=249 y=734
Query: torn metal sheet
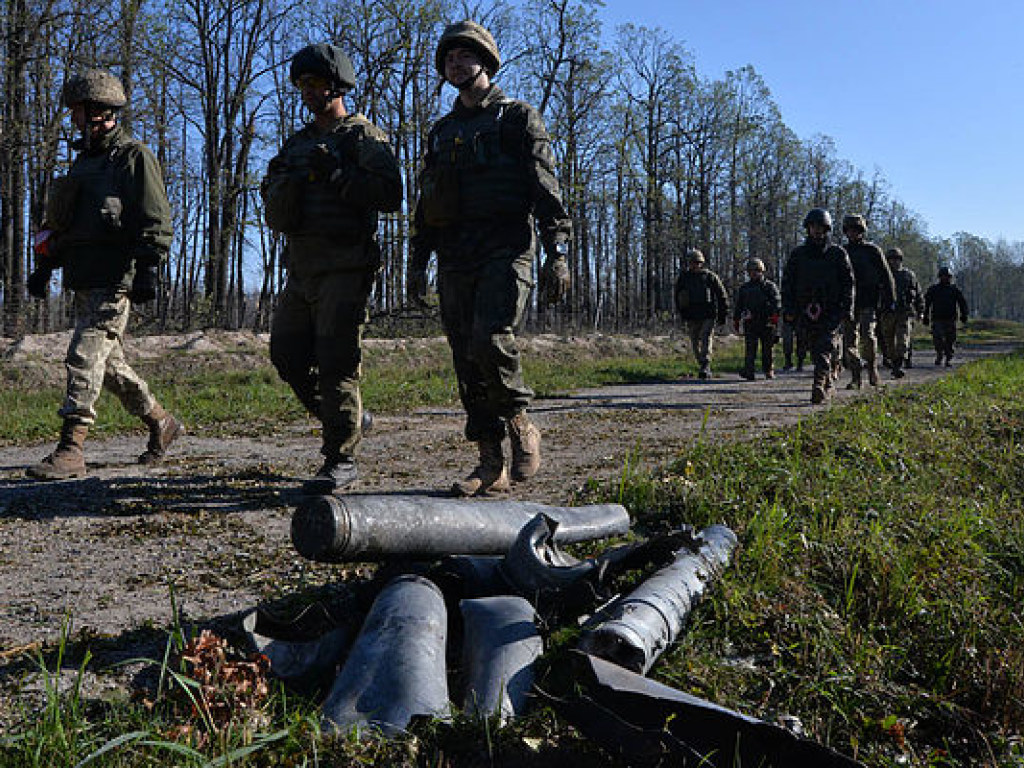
x=396 y=668
x=500 y=644
x=301 y=653
x=645 y=722
x=341 y=529
x=634 y=630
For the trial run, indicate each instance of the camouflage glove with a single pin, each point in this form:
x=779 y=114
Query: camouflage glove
x=416 y=286
x=323 y=166
x=144 y=283
x=39 y=282
x=555 y=279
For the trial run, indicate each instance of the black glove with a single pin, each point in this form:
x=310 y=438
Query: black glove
x=143 y=288
x=416 y=286
x=554 y=279
x=39 y=282
x=323 y=165
x=926 y=320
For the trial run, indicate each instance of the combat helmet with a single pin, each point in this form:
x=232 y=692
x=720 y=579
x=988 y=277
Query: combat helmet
x=325 y=60
x=694 y=255
x=894 y=253
x=854 y=221
x=468 y=34
x=944 y=271
x=818 y=216
x=755 y=264
x=95 y=85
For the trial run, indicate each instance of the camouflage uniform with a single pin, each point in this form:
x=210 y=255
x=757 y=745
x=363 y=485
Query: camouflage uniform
x=488 y=177
x=817 y=294
x=115 y=217
x=873 y=288
x=328 y=213
x=757 y=308
x=896 y=323
x=942 y=301
x=701 y=301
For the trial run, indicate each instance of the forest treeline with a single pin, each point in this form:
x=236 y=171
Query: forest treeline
x=653 y=156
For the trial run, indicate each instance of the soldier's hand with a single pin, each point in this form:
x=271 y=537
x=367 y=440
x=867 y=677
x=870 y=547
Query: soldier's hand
x=555 y=279
x=144 y=283
x=39 y=282
x=323 y=165
x=416 y=286
x=926 y=320
x=736 y=326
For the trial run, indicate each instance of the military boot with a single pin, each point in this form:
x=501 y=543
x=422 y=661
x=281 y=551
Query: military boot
x=872 y=375
x=818 y=389
x=855 y=382
x=336 y=474
x=164 y=429
x=489 y=475
x=525 y=438
x=67 y=459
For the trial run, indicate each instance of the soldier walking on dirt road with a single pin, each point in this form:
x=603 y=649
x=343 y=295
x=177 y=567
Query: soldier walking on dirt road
x=108 y=225
x=817 y=295
x=324 y=191
x=757 y=309
x=873 y=289
x=942 y=301
x=702 y=303
x=488 y=180
x=896 y=323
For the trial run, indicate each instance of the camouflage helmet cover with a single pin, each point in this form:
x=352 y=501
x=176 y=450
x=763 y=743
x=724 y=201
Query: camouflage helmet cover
x=818 y=216
x=327 y=61
x=945 y=272
x=854 y=221
x=468 y=34
x=755 y=264
x=96 y=85
x=695 y=256
x=894 y=253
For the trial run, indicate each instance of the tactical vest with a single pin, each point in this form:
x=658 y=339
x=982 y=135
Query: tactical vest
x=756 y=298
x=907 y=289
x=866 y=259
x=483 y=157
x=322 y=211
x=817 y=279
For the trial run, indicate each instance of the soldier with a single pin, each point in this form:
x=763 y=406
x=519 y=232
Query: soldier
x=488 y=180
x=757 y=308
x=873 y=289
x=941 y=303
x=817 y=295
x=896 y=323
x=108 y=225
x=792 y=342
x=701 y=302
x=323 y=191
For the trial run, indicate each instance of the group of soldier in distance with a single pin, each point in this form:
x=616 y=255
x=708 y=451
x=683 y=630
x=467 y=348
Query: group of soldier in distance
x=842 y=305
x=489 y=195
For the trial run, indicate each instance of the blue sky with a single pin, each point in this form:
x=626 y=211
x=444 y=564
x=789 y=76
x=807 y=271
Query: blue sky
x=931 y=92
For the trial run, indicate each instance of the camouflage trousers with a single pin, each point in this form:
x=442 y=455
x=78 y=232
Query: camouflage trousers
x=95 y=358
x=701 y=339
x=895 y=329
x=859 y=339
x=822 y=342
x=763 y=337
x=316 y=346
x=793 y=341
x=944 y=337
x=481 y=310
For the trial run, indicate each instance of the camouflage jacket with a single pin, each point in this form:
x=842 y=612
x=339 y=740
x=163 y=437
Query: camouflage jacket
x=941 y=302
x=109 y=213
x=871 y=275
x=756 y=302
x=700 y=295
x=817 y=285
x=908 y=292
x=324 y=191
x=488 y=178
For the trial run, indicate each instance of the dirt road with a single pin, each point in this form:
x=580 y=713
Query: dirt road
x=212 y=523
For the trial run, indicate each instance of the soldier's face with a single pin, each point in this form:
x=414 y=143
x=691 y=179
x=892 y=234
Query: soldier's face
x=92 y=119
x=316 y=92
x=817 y=233
x=696 y=265
x=855 y=235
x=755 y=274
x=461 y=64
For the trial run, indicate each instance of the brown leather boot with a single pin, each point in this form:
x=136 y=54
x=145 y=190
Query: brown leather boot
x=525 y=438
x=820 y=386
x=489 y=475
x=164 y=429
x=67 y=459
